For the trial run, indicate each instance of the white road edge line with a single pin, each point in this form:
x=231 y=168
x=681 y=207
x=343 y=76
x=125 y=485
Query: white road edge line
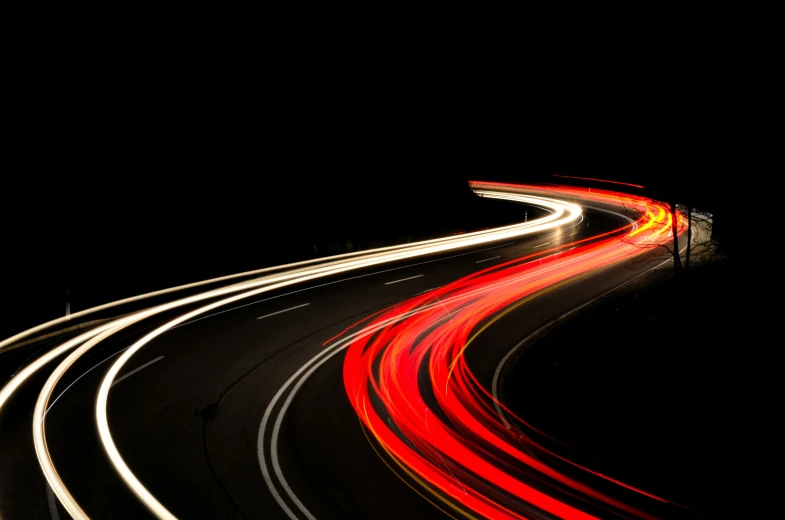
x=134 y=371
x=486 y=259
x=279 y=312
x=545 y=244
x=404 y=279
x=54 y=401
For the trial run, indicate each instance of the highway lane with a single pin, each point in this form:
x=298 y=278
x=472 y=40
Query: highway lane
x=360 y=497
x=328 y=465
x=23 y=493
x=21 y=496
x=187 y=422
x=218 y=351
x=445 y=430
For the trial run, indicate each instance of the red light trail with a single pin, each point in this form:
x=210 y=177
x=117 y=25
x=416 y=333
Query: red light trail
x=413 y=390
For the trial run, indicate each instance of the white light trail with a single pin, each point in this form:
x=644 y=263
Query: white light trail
x=526 y=199
x=563 y=213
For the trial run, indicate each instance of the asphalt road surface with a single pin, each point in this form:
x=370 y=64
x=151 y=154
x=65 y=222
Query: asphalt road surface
x=185 y=412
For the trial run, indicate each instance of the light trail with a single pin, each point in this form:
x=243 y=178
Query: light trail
x=562 y=213
x=413 y=363
x=331 y=260
x=452 y=312
x=336 y=346
x=497 y=373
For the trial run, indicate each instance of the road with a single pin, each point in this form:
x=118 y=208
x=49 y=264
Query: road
x=206 y=417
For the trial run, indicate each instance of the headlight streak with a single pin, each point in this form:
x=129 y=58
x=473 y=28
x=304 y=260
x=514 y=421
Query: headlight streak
x=8 y=390
x=41 y=407
x=103 y=427
x=563 y=213
x=336 y=259
x=462 y=380
x=414 y=362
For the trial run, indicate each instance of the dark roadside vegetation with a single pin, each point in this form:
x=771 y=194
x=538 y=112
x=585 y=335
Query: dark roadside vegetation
x=663 y=386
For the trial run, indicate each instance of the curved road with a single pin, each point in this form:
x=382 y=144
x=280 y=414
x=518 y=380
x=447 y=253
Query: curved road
x=214 y=419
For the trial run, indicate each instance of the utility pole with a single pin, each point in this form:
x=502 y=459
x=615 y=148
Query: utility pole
x=675 y=233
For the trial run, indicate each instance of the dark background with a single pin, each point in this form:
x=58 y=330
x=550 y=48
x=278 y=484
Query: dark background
x=120 y=182
x=127 y=171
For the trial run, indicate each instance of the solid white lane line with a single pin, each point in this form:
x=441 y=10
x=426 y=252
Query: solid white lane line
x=285 y=310
x=404 y=279
x=134 y=371
x=51 y=404
x=573 y=233
x=545 y=244
x=486 y=259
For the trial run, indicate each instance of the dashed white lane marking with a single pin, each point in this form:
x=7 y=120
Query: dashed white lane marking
x=285 y=310
x=404 y=279
x=134 y=371
x=486 y=259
